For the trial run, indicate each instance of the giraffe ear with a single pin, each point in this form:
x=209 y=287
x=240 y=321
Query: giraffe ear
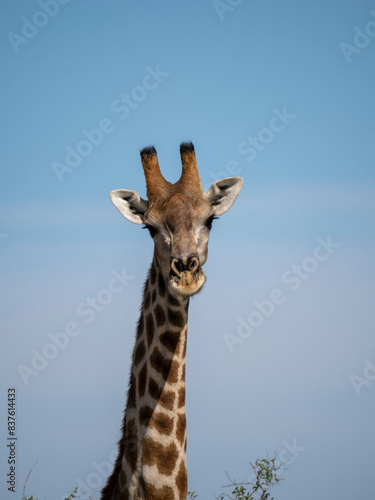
x=129 y=204
x=223 y=193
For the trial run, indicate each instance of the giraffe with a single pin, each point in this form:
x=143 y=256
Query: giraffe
x=151 y=462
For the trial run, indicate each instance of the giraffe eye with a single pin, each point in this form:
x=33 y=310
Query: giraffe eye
x=151 y=229
x=209 y=221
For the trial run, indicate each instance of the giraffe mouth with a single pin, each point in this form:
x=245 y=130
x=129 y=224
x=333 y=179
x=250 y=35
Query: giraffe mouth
x=187 y=283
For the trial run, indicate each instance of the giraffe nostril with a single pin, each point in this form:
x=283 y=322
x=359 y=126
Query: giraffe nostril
x=178 y=266
x=193 y=264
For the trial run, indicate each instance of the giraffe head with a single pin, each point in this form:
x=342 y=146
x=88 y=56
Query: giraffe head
x=178 y=216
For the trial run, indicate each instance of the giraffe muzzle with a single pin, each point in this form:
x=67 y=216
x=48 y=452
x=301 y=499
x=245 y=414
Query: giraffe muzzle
x=186 y=278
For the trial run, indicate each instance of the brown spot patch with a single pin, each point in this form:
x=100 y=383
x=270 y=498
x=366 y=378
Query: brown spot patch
x=170 y=340
x=140 y=326
x=159 y=315
x=147 y=300
x=159 y=363
x=139 y=353
x=162 y=287
x=153 y=298
x=149 y=491
x=173 y=372
x=130 y=443
x=142 y=379
x=154 y=389
x=181 y=481
x=145 y=414
x=162 y=423
x=181 y=397
x=164 y=457
x=175 y=318
x=131 y=392
x=167 y=400
x=150 y=328
x=181 y=428
x=153 y=274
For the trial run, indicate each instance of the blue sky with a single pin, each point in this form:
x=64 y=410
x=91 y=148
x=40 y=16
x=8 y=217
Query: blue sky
x=280 y=93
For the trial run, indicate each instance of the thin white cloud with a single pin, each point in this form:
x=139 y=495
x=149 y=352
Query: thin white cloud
x=45 y=214
x=279 y=201
x=315 y=198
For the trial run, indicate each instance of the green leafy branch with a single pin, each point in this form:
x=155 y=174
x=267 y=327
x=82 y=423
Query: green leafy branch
x=267 y=474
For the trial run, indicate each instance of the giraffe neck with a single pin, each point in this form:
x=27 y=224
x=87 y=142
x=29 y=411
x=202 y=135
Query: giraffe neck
x=152 y=457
